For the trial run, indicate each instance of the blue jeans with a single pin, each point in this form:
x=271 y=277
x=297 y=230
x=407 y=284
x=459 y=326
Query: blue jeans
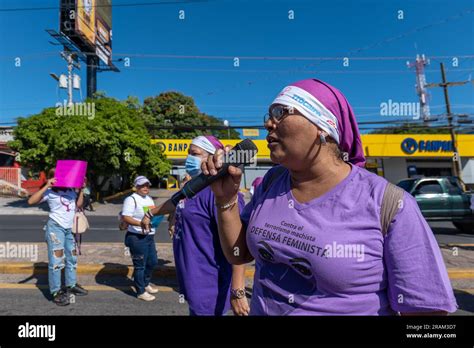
x=144 y=258
x=61 y=253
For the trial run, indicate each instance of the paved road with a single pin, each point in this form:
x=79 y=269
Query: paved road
x=21 y=294
x=28 y=228
x=111 y=295
x=31 y=301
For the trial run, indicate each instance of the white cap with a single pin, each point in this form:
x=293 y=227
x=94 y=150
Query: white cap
x=141 y=180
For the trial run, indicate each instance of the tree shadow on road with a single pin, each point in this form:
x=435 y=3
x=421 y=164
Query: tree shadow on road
x=40 y=277
x=23 y=203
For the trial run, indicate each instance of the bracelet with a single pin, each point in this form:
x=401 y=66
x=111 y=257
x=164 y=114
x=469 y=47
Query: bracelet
x=228 y=205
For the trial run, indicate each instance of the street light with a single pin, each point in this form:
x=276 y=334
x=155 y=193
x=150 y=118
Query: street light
x=227 y=124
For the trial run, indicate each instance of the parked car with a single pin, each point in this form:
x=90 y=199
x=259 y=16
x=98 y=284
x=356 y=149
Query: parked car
x=443 y=199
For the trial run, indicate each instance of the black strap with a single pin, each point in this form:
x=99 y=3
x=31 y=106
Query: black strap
x=78 y=239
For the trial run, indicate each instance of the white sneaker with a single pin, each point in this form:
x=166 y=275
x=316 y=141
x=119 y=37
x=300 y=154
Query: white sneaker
x=151 y=290
x=146 y=297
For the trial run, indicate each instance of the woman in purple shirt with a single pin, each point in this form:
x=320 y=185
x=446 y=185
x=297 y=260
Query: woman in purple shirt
x=208 y=282
x=313 y=226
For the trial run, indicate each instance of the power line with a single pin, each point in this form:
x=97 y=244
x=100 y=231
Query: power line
x=264 y=58
x=253 y=71
x=239 y=70
x=364 y=48
x=179 y=56
x=136 y=4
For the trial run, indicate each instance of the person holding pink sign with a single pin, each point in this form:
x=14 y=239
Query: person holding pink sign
x=62 y=202
x=70 y=173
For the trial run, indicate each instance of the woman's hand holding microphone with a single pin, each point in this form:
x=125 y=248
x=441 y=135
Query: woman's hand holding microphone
x=225 y=189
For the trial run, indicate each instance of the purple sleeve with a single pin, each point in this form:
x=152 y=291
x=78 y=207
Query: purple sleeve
x=417 y=276
x=241 y=201
x=247 y=210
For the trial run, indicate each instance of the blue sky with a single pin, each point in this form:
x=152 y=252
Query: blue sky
x=365 y=29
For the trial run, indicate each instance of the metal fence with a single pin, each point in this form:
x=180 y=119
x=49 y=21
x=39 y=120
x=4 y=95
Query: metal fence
x=10 y=181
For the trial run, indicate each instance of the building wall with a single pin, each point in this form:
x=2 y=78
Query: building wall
x=395 y=169
x=251 y=173
x=468 y=170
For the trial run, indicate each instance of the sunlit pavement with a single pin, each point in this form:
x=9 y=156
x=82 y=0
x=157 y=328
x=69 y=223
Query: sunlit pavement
x=105 y=271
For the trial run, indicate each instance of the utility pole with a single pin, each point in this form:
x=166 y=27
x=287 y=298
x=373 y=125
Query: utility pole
x=457 y=171
x=419 y=65
x=92 y=64
x=67 y=82
x=69 y=79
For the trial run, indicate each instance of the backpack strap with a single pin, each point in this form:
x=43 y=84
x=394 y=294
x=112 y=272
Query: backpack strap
x=391 y=202
x=277 y=172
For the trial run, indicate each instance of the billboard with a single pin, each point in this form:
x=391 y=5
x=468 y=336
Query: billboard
x=103 y=36
x=88 y=24
x=85 y=20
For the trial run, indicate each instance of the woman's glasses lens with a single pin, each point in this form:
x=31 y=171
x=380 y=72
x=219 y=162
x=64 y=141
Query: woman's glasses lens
x=276 y=113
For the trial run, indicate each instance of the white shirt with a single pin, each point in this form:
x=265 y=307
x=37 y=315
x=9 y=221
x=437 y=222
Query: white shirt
x=137 y=212
x=62 y=206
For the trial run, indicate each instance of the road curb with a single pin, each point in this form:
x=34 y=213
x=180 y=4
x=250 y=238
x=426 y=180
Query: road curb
x=93 y=269
x=461 y=273
x=160 y=271
x=15 y=286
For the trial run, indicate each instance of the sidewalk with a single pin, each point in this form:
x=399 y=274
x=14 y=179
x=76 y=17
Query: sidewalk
x=19 y=206
x=114 y=258
x=96 y=258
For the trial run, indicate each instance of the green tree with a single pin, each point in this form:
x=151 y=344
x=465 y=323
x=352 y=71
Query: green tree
x=177 y=111
x=114 y=140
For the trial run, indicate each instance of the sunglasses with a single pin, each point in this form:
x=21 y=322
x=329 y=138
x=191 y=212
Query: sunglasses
x=278 y=112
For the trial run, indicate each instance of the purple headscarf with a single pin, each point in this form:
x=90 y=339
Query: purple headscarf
x=258 y=180
x=327 y=98
x=208 y=143
x=214 y=141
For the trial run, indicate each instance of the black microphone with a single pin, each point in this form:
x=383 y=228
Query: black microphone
x=241 y=154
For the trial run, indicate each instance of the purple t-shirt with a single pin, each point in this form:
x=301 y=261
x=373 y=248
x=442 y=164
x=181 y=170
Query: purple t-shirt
x=328 y=256
x=204 y=274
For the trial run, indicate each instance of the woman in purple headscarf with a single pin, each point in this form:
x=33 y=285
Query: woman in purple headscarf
x=208 y=282
x=314 y=226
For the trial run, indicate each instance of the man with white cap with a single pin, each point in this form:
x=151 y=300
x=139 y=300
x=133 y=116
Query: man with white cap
x=142 y=246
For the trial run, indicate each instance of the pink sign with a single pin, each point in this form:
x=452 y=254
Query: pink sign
x=70 y=173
